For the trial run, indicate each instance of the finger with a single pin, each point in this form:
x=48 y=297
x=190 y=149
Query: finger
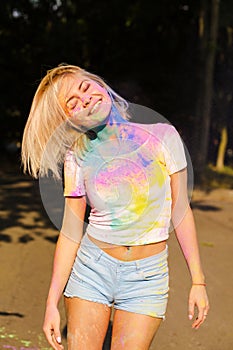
x=206 y=309
x=203 y=312
x=198 y=322
x=200 y=319
x=57 y=336
x=49 y=337
x=191 y=310
x=49 y=333
x=57 y=342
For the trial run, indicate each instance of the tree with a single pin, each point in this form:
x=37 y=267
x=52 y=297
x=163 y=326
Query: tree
x=224 y=82
x=208 y=30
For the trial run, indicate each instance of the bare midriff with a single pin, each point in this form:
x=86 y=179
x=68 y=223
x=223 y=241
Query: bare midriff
x=130 y=253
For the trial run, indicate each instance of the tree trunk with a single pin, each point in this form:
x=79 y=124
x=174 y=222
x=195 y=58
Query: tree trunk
x=222 y=149
x=224 y=101
x=204 y=102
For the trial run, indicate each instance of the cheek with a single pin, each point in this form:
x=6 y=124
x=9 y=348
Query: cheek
x=107 y=97
x=103 y=91
x=105 y=109
x=107 y=102
x=75 y=110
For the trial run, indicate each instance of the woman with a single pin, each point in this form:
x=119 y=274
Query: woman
x=134 y=177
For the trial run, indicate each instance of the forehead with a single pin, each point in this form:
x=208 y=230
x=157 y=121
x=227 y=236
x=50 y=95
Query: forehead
x=70 y=81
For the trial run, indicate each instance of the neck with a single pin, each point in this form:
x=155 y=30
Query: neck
x=110 y=129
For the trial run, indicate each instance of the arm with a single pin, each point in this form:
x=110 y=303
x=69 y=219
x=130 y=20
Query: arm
x=65 y=253
x=183 y=222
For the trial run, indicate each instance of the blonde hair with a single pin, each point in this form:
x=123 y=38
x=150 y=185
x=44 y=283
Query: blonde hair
x=49 y=133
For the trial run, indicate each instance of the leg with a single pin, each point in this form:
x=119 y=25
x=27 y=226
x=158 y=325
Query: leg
x=133 y=331
x=87 y=324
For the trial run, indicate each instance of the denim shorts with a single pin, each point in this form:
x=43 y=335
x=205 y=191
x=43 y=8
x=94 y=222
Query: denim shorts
x=139 y=286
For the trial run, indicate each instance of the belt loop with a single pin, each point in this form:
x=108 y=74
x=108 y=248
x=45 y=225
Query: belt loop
x=98 y=255
x=137 y=265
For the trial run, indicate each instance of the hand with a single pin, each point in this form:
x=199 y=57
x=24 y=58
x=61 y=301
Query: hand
x=198 y=297
x=51 y=327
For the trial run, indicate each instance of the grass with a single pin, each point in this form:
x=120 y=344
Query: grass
x=213 y=178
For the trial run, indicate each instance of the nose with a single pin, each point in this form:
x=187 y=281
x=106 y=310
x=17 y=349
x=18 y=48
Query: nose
x=86 y=100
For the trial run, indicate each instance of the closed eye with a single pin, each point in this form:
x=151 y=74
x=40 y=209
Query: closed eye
x=72 y=103
x=84 y=86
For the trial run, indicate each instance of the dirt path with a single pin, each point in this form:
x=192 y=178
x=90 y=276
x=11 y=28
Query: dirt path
x=26 y=248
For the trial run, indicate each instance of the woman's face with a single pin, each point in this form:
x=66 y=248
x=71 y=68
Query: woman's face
x=85 y=102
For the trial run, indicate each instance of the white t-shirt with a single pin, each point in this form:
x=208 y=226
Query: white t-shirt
x=127 y=183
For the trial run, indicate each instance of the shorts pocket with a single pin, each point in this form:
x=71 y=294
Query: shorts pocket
x=155 y=271
x=82 y=266
x=84 y=256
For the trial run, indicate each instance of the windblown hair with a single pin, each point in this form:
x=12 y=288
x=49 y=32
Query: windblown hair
x=49 y=133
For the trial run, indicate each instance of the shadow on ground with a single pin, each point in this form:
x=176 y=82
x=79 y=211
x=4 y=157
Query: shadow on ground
x=20 y=196
x=204 y=207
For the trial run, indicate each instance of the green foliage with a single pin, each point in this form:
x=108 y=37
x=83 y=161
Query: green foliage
x=147 y=50
x=213 y=179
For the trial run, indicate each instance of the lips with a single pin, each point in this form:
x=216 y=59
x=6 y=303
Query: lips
x=95 y=107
